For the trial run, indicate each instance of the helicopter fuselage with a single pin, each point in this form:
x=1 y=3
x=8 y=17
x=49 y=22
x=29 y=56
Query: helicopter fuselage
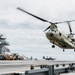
x=60 y=39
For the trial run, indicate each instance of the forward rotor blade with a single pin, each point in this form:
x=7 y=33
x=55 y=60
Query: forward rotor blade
x=47 y=28
x=34 y=15
x=64 y=22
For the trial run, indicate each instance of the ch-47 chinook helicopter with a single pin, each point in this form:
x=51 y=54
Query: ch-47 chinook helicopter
x=64 y=41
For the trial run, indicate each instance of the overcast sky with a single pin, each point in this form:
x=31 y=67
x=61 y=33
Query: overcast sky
x=25 y=33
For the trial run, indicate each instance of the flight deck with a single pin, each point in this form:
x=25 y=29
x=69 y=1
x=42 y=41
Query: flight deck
x=20 y=66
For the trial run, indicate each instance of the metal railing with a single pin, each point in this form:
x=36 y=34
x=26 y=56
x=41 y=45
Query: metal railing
x=48 y=70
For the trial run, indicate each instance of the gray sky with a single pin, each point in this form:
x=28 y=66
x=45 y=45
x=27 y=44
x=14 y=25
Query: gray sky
x=25 y=33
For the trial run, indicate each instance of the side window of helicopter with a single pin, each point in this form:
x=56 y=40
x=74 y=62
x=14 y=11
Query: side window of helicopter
x=68 y=36
x=59 y=34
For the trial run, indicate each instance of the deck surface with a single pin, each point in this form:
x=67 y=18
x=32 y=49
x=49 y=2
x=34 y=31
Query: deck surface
x=18 y=66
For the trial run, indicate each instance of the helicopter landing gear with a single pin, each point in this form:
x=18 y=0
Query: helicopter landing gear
x=63 y=50
x=53 y=46
x=74 y=50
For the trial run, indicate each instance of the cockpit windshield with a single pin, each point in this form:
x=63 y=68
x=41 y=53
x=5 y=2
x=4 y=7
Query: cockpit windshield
x=53 y=27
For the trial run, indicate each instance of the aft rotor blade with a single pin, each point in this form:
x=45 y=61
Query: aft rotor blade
x=34 y=15
x=69 y=27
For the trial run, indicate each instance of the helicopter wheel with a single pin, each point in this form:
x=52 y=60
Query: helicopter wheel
x=53 y=46
x=63 y=50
